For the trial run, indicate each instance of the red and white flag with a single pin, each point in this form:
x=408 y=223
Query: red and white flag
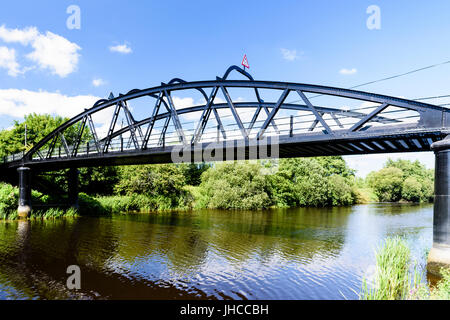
x=245 y=62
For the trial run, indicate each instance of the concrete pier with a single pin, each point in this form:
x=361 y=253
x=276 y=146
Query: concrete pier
x=24 y=208
x=439 y=255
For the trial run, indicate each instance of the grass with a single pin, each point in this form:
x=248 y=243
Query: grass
x=141 y=203
x=397 y=278
x=51 y=213
x=366 y=195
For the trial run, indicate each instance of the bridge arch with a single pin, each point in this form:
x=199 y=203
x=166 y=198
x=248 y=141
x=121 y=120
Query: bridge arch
x=324 y=122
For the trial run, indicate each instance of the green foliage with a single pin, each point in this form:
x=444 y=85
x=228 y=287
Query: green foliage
x=392 y=279
x=9 y=196
x=398 y=278
x=90 y=206
x=335 y=165
x=411 y=190
x=402 y=180
x=54 y=213
x=163 y=183
x=315 y=182
x=442 y=289
x=192 y=172
x=234 y=185
x=98 y=180
x=123 y=204
x=387 y=183
x=38 y=126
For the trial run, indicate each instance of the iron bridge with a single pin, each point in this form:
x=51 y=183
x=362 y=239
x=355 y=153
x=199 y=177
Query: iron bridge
x=236 y=114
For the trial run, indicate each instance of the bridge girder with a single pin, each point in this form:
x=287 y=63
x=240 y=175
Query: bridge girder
x=326 y=125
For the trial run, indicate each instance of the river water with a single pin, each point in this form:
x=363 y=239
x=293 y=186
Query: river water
x=300 y=253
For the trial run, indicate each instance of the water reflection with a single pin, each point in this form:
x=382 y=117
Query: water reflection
x=278 y=254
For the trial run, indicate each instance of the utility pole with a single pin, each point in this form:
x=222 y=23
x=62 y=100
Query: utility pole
x=25 y=135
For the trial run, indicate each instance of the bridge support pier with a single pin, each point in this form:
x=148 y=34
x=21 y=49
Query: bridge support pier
x=72 y=179
x=24 y=208
x=439 y=255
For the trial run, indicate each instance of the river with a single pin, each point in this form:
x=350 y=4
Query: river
x=299 y=253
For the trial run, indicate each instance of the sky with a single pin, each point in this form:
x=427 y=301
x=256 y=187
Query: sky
x=53 y=62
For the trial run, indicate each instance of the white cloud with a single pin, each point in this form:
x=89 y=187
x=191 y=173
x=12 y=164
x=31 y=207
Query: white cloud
x=51 y=51
x=289 y=55
x=20 y=102
x=181 y=103
x=348 y=71
x=23 y=37
x=121 y=48
x=98 y=82
x=8 y=61
x=55 y=53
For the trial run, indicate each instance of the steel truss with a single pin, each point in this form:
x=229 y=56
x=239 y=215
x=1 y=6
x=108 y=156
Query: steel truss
x=324 y=124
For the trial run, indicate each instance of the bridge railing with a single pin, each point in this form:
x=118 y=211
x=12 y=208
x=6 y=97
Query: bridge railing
x=12 y=157
x=287 y=125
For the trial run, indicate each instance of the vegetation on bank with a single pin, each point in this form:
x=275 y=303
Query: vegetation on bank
x=9 y=196
x=317 y=182
x=398 y=278
x=402 y=180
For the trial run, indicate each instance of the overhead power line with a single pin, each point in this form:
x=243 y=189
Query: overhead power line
x=435 y=97
x=389 y=78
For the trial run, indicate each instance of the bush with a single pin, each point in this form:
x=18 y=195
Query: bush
x=403 y=180
x=387 y=183
x=162 y=183
x=411 y=190
x=9 y=196
x=314 y=182
x=340 y=191
x=235 y=185
x=141 y=203
x=89 y=205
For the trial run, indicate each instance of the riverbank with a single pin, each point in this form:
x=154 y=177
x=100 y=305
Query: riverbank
x=51 y=213
x=241 y=185
x=397 y=277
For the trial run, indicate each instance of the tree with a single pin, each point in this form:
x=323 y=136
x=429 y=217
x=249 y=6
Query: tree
x=403 y=179
x=38 y=126
x=335 y=165
x=235 y=185
x=193 y=172
x=98 y=180
x=387 y=183
x=164 y=181
x=412 y=190
x=319 y=182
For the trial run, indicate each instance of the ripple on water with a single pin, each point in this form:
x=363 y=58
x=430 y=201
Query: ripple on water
x=279 y=254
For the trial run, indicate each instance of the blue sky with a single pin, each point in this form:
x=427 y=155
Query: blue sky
x=44 y=64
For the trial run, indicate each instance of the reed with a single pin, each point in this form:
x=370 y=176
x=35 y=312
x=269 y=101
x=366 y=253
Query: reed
x=398 y=278
x=392 y=273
